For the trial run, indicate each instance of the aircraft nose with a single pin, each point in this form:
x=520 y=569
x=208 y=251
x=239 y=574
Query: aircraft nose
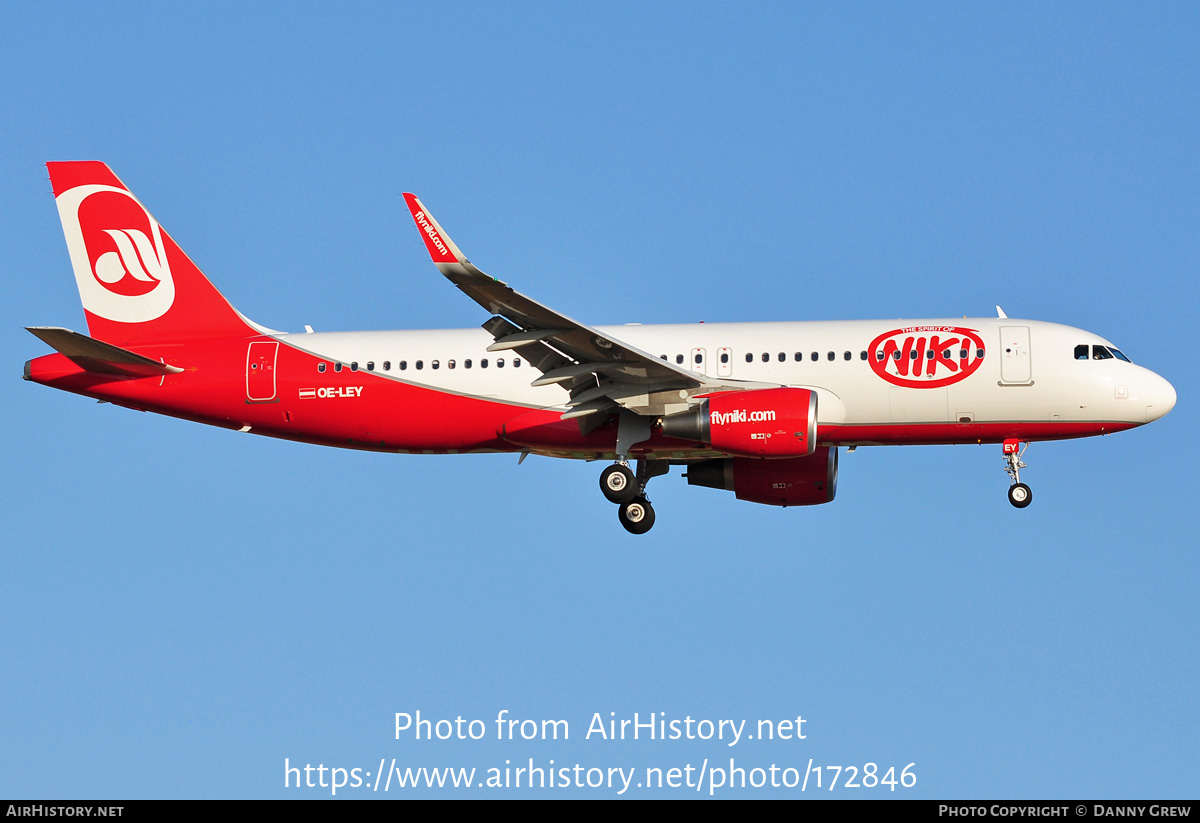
x=1160 y=398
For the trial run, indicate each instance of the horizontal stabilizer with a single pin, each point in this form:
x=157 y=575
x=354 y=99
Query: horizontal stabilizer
x=93 y=355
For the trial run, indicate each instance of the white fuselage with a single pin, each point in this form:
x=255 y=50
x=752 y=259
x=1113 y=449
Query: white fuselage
x=1038 y=380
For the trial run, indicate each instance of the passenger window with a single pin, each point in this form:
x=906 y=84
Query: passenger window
x=483 y=363
x=420 y=364
x=403 y=365
x=1101 y=353
x=962 y=354
x=724 y=357
x=979 y=353
x=370 y=365
x=516 y=362
x=662 y=357
x=830 y=357
x=679 y=359
x=699 y=360
x=354 y=366
x=799 y=357
x=749 y=357
x=766 y=357
x=862 y=355
x=782 y=357
x=434 y=364
x=929 y=354
x=879 y=355
x=337 y=366
x=499 y=362
x=466 y=364
x=847 y=356
x=816 y=356
x=387 y=365
x=321 y=368
x=449 y=364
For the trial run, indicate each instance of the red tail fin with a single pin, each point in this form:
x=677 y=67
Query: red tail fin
x=136 y=285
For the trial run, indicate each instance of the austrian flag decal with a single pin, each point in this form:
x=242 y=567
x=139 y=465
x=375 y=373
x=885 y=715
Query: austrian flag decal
x=926 y=357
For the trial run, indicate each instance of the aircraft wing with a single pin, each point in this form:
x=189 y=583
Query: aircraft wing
x=600 y=371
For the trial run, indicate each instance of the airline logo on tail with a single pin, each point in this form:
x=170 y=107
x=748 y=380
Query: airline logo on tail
x=117 y=253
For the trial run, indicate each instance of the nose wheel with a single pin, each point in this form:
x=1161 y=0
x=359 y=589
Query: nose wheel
x=1019 y=494
x=622 y=486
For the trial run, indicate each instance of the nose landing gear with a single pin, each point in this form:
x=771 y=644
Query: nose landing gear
x=1019 y=494
x=628 y=490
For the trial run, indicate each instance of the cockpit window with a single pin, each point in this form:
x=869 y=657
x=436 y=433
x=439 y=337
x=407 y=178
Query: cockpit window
x=1117 y=353
x=1081 y=352
x=1101 y=353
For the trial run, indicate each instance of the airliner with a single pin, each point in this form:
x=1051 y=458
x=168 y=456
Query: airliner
x=759 y=409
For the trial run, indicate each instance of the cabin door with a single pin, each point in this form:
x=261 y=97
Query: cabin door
x=1015 y=367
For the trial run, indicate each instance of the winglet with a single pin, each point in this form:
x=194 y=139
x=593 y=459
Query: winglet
x=441 y=247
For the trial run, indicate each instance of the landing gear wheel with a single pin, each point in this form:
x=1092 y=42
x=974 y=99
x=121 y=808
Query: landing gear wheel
x=637 y=516
x=618 y=484
x=1020 y=495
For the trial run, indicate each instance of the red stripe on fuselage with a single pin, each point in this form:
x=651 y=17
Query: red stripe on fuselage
x=949 y=434
x=367 y=410
x=360 y=409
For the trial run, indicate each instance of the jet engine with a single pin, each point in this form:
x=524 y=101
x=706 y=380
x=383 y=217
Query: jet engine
x=753 y=423
x=797 y=481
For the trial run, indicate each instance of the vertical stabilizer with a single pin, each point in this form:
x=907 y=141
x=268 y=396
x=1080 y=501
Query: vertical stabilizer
x=136 y=284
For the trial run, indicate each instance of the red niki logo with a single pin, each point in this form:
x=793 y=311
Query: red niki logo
x=926 y=357
x=124 y=248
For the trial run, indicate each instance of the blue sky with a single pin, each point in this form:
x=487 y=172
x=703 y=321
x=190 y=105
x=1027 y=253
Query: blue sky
x=185 y=607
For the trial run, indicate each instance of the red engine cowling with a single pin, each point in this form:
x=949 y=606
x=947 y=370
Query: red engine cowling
x=799 y=481
x=754 y=423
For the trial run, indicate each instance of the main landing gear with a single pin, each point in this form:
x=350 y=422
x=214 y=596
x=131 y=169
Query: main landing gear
x=1018 y=493
x=628 y=490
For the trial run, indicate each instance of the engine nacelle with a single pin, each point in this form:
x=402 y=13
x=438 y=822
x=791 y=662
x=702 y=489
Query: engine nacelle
x=753 y=423
x=799 y=481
